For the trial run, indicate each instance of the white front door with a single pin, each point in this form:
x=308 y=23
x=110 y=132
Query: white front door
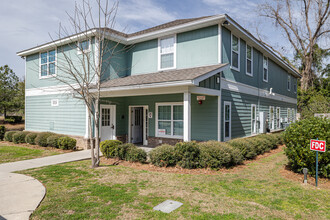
x=108 y=117
x=137 y=124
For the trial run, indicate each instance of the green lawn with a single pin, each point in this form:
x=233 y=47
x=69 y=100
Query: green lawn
x=15 y=153
x=74 y=191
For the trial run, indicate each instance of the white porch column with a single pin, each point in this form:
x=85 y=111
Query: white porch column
x=186 y=116
x=219 y=117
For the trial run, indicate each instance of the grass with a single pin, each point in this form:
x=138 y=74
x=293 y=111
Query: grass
x=74 y=191
x=16 y=153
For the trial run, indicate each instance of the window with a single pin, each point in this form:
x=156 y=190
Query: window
x=235 y=50
x=249 y=60
x=289 y=83
x=278 y=118
x=47 y=63
x=289 y=115
x=105 y=116
x=167 y=53
x=253 y=119
x=227 y=121
x=169 y=120
x=295 y=87
x=271 y=118
x=84 y=47
x=265 y=73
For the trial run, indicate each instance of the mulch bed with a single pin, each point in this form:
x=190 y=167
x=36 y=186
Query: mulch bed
x=179 y=170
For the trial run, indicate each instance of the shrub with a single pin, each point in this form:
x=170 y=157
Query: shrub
x=19 y=137
x=9 y=135
x=67 y=143
x=108 y=148
x=215 y=155
x=297 y=139
x=135 y=154
x=271 y=139
x=2 y=132
x=13 y=119
x=163 y=156
x=279 y=138
x=52 y=140
x=30 y=138
x=120 y=151
x=247 y=149
x=41 y=138
x=187 y=154
x=261 y=143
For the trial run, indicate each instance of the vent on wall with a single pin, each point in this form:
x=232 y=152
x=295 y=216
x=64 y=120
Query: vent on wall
x=54 y=102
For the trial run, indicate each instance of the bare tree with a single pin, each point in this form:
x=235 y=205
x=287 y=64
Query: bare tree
x=83 y=71
x=305 y=23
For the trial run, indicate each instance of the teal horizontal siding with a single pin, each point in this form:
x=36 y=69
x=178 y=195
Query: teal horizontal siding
x=67 y=118
x=204 y=118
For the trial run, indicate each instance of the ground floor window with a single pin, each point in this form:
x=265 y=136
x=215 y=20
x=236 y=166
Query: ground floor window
x=271 y=117
x=253 y=119
x=278 y=118
x=169 y=121
x=227 y=121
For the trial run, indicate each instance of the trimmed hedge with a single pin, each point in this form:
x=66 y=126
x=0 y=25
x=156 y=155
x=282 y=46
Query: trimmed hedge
x=30 y=138
x=297 y=139
x=41 y=138
x=67 y=143
x=120 y=151
x=19 y=137
x=109 y=147
x=2 y=132
x=13 y=119
x=214 y=154
x=163 y=156
x=9 y=135
x=135 y=154
x=187 y=154
x=52 y=140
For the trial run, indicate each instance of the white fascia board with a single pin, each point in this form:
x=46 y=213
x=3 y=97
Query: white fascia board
x=57 y=43
x=146 y=86
x=50 y=90
x=251 y=90
x=209 y=74
x=204 y=91
x=260 y=46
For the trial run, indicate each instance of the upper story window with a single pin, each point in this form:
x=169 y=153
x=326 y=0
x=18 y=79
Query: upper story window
x=289 y=83
x=249 y=60
x=295 y=87
x=167 y=53
x=84 y=46
x=265 y=68
x=47 y=63
x=235 y=51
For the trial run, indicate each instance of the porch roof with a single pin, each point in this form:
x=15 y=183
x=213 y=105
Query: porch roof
x=195 y=74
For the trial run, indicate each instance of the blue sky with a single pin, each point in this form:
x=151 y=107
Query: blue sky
x=25 y=24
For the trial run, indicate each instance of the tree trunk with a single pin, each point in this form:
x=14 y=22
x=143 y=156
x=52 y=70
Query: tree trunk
x=4 y=113
x=91 y=140
x=97 y=132
x=307 y=74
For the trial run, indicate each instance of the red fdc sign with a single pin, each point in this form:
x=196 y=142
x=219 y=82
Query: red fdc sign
x=317 y=145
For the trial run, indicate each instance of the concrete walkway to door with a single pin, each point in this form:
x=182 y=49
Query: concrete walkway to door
x=20 y=195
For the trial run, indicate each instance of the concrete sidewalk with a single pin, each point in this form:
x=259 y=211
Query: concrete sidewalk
x=45 y=161
x=20 y=195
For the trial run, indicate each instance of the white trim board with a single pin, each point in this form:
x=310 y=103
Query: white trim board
x=251 y=90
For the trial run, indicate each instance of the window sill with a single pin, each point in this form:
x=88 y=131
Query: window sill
x=234 y=68
x=170 y=137
x=47 y=77
x=248 y=74
x=79 y=52
x=169 y=68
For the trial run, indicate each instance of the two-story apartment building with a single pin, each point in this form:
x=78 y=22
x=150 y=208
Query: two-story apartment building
x=191 y=79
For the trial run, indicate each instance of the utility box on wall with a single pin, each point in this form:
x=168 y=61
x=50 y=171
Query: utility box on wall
x=263 y=122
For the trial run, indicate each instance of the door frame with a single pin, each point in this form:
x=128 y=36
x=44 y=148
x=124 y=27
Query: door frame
x=224 y=120
x=145 y=107
x=255 y=119
x=272 y=119
x=112 y=118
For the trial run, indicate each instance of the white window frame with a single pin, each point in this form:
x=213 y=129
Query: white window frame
x=278 y=117
x=172 y=121
x=224 y=121
x=249 y=74
x=254 y=125
x=288 y=83
x=263 y=67
x=295 y=87
x=86 y=50
x=174 y=53
x=272 y=119
x=238 y=52
x=55 y=62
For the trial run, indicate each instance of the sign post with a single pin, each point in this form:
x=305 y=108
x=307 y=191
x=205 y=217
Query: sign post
x=318 y=146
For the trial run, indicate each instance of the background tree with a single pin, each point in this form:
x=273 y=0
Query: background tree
x=84 y=72
x=8 y=89
x=305 y=23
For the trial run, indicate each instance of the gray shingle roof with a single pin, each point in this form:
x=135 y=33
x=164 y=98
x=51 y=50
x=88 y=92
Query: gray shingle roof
x=162 y=76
